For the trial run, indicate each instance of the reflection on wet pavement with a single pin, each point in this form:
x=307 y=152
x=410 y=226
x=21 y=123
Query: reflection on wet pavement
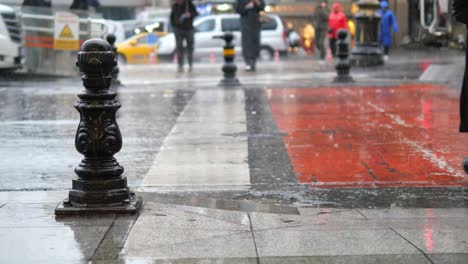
x=37 y=131
x=398 y=136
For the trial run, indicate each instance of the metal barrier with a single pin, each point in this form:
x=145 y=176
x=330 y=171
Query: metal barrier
x=38 y=26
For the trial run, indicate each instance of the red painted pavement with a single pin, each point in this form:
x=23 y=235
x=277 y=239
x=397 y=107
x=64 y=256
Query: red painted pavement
x=358 y=137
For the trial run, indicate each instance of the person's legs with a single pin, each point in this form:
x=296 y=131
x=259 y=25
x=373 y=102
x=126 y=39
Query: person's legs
x=190 y=47
x=321 y=45
x=179 y=47
x=333 y=47
x=464 y=106
x=244 y=43
x=256 y=49
x=386 y=51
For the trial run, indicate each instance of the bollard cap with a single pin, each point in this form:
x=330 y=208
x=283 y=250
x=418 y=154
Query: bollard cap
x=342 y=34
x=96 y=57
x=111 y=39
x=228 y=37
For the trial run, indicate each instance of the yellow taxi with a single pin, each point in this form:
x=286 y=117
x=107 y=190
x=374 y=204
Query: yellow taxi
x=140 y=48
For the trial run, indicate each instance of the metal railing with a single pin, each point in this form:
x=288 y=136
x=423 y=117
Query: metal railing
x=38 y=41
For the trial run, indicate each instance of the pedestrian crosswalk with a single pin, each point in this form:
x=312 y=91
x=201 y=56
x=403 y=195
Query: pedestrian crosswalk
x=207 y=148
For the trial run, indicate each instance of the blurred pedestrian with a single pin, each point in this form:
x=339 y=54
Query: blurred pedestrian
x=249 y=11
x=387 y=23
x=79 y=5
x=308 y=36
x=321 y=29
x=294 y=40
x=460 y=14
x=182 y=14
x=336 y=21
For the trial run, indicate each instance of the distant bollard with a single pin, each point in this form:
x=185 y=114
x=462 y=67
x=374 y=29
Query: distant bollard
x=465 y=165
x=115 y=72
x=229 y=67
x=99 y=188
x=343 y=65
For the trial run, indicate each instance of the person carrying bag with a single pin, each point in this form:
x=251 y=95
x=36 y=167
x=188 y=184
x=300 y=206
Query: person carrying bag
x=182 y=14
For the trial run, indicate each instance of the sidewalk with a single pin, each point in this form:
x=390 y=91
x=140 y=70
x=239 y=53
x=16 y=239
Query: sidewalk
x=183 y=234
x=291 y=168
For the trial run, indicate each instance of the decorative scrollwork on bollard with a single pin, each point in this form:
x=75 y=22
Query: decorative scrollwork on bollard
x=99 y=188
x=229 y=67
x=343 y=65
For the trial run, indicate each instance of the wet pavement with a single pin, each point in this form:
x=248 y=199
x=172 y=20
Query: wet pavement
x=287 y=168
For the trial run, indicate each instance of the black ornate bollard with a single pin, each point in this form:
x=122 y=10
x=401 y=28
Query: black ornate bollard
x=229 y=67
x=115 y=72
x=343 y=65
x=99 y=188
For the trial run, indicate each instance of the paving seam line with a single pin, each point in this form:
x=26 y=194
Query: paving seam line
x=420 y=250
x=253 y=237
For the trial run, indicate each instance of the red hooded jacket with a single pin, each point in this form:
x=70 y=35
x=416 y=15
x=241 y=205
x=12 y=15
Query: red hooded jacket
x=336 y=20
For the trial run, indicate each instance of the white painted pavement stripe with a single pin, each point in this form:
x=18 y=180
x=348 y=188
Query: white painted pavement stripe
x=207 y=146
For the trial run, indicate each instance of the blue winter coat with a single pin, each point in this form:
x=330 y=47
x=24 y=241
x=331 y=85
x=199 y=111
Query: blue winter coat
x=387 y=23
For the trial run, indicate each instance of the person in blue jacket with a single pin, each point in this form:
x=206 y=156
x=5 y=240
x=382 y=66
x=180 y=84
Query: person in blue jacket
x=387 y=23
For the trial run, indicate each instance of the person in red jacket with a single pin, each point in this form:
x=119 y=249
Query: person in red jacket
x=336 y=21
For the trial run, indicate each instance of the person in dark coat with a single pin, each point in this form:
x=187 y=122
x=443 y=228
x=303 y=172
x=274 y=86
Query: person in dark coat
x=460 y=14
x=182 y=14
x=321 y=28
x=250 y=27
x=387 y=23
x=79 y=5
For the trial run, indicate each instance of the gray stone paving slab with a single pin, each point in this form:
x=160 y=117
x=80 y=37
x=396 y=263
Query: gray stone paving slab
x=184 y=217
x=33 y=197
x=415 y=212
x=173 y=243
x=133 y=260
x=331 y=213
x=180 y=232
x=49 y=245
x=290 y=242
x=315 y=219
x=206 y=141
x=370 y=259
x=42 y=215
x=422 y=223
x=112 y=243
x=449 y=258
x=437 y=240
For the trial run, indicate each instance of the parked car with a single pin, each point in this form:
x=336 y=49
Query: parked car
x=98 y=26
x=273 y=36
x=159 y=25
x=10 y=40
x=137 y=49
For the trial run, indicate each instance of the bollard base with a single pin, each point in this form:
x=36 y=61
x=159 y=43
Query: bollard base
x=343 y=79
x=465 y=165
x=229 y=82
x=367 y=55
x=135 y=204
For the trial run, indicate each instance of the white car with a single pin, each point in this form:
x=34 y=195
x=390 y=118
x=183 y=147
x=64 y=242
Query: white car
x=273 y=37
x=10 y=39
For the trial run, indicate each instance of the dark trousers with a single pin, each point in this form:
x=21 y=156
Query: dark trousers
x=386 y=50
x=333 y=47
x=180 y=36
x=464 y=98
x=320 y=43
